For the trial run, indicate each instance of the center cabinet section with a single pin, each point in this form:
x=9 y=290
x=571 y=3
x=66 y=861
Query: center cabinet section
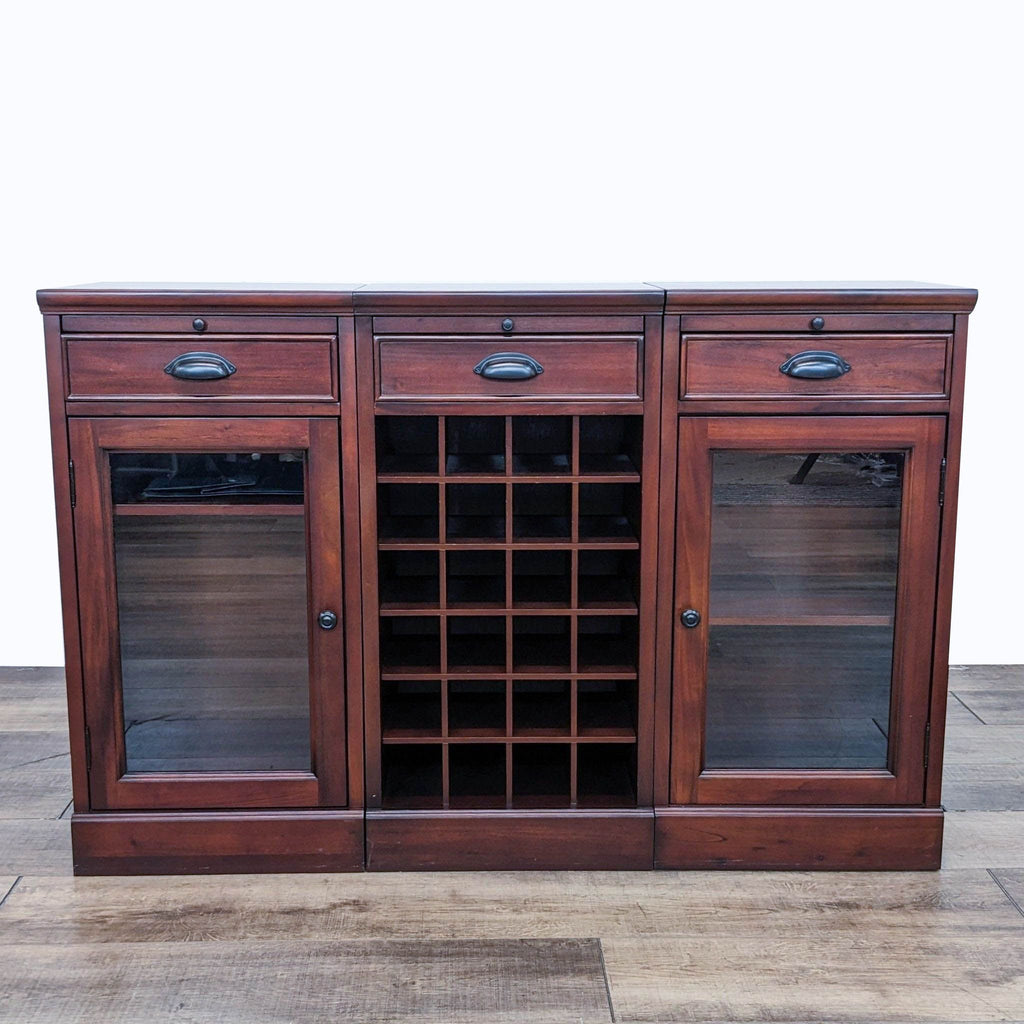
x=211 y=602
x=509 y=692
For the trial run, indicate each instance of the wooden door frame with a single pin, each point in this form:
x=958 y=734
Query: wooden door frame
x=326 y=785
x=922 y=438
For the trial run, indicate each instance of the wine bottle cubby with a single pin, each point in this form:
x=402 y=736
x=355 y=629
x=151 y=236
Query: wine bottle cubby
x=508 y=572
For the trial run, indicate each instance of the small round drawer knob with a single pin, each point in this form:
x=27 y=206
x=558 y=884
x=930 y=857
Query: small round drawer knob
x=327 y=620
x=818 y=323
x=199 y=324
x=690 y=618
x=507 y=324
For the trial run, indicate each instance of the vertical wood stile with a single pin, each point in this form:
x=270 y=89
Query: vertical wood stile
x=574 y=619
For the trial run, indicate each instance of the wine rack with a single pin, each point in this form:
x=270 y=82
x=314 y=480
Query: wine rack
x=508 y=563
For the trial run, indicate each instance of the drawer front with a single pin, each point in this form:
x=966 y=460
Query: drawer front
x=300 y=367
x=444 y=368
x=196 y=324
x=508 y=326
x=816 y=324
x=857 y=366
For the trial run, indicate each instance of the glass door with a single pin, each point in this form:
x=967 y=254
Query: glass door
x=806 y=553
x=209 y=555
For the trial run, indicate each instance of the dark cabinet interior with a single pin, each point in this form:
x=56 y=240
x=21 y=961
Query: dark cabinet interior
x=508 y=558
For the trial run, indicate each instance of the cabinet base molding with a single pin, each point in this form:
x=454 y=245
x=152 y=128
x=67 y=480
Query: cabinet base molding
x=217 y=843
x=509 y=840
x=798 y=838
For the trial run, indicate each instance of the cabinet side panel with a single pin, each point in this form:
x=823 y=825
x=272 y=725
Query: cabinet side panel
x=351 y=457
x=367 y=474
x=947 y=542
x=66 y=559
x=669 y=428
x=649 y=566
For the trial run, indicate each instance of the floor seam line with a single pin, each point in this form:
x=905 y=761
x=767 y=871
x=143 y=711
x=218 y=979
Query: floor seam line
x=14 y=885
x=38 y=760
x=967 y=707
x=607 y=981
x=1005 y=892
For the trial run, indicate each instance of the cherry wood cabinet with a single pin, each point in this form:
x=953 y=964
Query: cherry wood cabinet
x=398 y=577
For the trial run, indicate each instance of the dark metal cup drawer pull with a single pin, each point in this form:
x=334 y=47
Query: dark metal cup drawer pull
x=508 y=366
x=815 y=365
x=199 y=366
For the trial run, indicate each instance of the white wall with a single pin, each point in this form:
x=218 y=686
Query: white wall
x=516 y=141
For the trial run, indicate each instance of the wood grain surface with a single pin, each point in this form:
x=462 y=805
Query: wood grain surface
x=501 y=981
x=766 y=974
x=497 y=904
x=748 y=365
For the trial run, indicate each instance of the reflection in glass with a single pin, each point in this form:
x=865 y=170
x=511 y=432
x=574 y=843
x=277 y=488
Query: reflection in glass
x=212 y=612
x=804 y=551
x=233 y=478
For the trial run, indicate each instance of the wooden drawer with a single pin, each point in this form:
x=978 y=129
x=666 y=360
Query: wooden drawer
x=508 y=326
x=194 y=324
x=816 y=324
x=297 y=367
x=441 y=368
x=868 y=366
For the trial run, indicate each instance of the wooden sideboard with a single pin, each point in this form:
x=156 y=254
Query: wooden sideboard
x=400 y=577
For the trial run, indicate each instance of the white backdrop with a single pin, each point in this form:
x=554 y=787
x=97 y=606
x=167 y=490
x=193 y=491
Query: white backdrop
x=516 y=141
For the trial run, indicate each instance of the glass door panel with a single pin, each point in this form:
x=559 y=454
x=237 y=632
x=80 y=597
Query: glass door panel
x=804 y=555
x=212 y=620
x=805 y=575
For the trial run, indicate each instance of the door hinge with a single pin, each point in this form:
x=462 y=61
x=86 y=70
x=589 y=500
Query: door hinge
x=88 y=750
x=71 y=481
x=927 y=741
x=942 y=484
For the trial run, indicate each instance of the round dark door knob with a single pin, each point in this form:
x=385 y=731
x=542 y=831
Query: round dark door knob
x=690 y=618
x=507 y=324
x=327 y=620
x=199 y=324
x=818 y=323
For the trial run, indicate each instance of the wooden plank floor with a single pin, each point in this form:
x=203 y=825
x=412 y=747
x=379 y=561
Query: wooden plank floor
x=511 y=947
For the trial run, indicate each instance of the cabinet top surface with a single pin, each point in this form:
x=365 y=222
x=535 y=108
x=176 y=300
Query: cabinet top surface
x=570 y=298
x=849 y=295
x=196 y=296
